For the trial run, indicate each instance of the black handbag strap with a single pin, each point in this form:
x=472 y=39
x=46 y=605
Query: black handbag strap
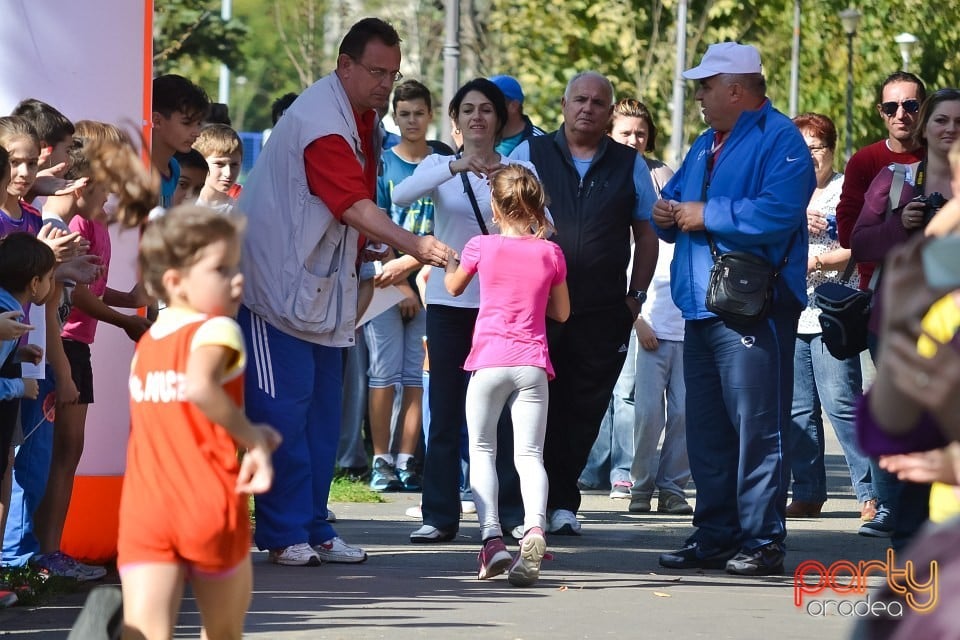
x=473 y=202
x=786 y=256
x=851 y=265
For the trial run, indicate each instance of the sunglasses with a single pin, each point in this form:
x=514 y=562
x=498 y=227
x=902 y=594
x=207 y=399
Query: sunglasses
x=909 y=106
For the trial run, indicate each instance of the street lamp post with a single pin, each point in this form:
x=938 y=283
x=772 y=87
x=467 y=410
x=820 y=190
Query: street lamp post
x=850 y=18
x=906 y=42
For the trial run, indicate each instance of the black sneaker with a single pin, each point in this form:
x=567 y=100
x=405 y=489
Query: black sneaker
x=693 y=556
x=765 y=561
x=409 y=476
x=880 y=527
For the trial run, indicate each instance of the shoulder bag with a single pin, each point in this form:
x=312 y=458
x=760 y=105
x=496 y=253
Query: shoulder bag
x=845 y=310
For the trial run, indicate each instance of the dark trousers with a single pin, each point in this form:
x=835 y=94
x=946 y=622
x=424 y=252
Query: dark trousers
x=449 y=337
x=739 y=392
x=587 y=352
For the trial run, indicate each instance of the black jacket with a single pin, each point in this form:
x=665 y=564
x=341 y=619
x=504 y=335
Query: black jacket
x=593 y=217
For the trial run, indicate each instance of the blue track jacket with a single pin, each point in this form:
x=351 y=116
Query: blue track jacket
x=757 y=199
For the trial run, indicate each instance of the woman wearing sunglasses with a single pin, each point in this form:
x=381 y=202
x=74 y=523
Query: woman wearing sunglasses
x=926 y=186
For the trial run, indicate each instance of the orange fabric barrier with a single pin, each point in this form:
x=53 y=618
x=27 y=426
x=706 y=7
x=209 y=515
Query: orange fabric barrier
x=90 y=533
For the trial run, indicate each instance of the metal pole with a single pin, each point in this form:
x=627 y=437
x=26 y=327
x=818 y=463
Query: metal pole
x=223 y=89
x=676 y=118
x=849 y=151
x=795 y=61
x=451 y=63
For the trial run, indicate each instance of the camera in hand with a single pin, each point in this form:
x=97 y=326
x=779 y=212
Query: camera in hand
x=931 y=204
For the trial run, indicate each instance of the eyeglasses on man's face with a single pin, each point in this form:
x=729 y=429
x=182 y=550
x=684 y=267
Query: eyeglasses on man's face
x=380 y=74
x=817 y=149
x=890 y=108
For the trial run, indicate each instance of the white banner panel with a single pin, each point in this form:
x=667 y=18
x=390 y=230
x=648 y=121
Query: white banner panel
x=91 y=59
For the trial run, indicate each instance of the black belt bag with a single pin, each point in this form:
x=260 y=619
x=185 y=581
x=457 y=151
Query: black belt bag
x=741 y=286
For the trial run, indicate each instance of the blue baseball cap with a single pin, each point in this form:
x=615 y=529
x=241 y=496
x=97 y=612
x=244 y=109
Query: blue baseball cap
x=509 y=86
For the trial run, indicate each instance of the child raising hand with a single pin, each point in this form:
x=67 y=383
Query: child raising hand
x=522 y=282
x=183 y=511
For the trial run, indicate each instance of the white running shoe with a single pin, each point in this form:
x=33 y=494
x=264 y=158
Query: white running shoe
x=296 y=555
x=468 y=506
x=525 y=569
x=414 y=512
x=564 y=523
x=336 y=550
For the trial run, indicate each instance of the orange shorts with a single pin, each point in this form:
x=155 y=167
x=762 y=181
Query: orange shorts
x=208 y=541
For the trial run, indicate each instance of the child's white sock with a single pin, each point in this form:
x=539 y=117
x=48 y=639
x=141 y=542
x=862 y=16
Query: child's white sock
x=402 y=460
x=386 y=457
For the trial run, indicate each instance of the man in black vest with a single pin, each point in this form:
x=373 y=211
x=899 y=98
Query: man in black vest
x=600 y=191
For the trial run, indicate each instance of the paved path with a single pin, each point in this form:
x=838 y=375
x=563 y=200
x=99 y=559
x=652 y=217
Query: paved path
x=604 y=584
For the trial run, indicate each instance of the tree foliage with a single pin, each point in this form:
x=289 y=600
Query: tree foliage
x=283 y=45
x=633 y=42
x=191 y=31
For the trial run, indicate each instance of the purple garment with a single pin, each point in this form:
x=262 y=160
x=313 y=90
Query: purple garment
x=29 y=222
x=874 y=441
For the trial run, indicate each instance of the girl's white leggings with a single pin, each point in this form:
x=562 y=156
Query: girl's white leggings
x=524 y=390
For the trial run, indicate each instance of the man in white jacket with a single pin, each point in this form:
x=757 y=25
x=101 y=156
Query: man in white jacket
x=310 y=202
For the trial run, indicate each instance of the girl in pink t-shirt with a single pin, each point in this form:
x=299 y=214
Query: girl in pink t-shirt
x=522 y=281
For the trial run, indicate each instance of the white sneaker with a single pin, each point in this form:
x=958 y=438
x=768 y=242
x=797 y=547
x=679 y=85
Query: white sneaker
x=468 y=506
x=336 y=550
x=414 y=512
x=296 y=555
x=563 y=523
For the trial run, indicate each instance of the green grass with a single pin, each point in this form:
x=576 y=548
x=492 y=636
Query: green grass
x=32 y=587
x=346 y=490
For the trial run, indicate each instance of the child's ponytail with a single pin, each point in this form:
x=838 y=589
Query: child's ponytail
x=520 y=197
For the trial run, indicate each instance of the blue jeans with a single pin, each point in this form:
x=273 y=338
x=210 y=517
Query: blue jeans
x=739 y=386
x=30 y=470
x=824 y=383
x=612 y=453
x=351 y=452
x=660 y=409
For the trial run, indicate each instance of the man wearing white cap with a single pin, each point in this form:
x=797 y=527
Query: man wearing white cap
x=518 y=127
x=743 y=186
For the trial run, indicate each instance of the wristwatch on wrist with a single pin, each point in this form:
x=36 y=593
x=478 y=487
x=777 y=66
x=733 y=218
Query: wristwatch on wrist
x=639 y=296
x=818 y=265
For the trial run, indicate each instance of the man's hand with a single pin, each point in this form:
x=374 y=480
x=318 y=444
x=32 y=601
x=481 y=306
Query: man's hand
x=689 y=216
x=912 y=215
x=10 y=326
x=645 y=335
x=429 y=250
x=663 y=215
